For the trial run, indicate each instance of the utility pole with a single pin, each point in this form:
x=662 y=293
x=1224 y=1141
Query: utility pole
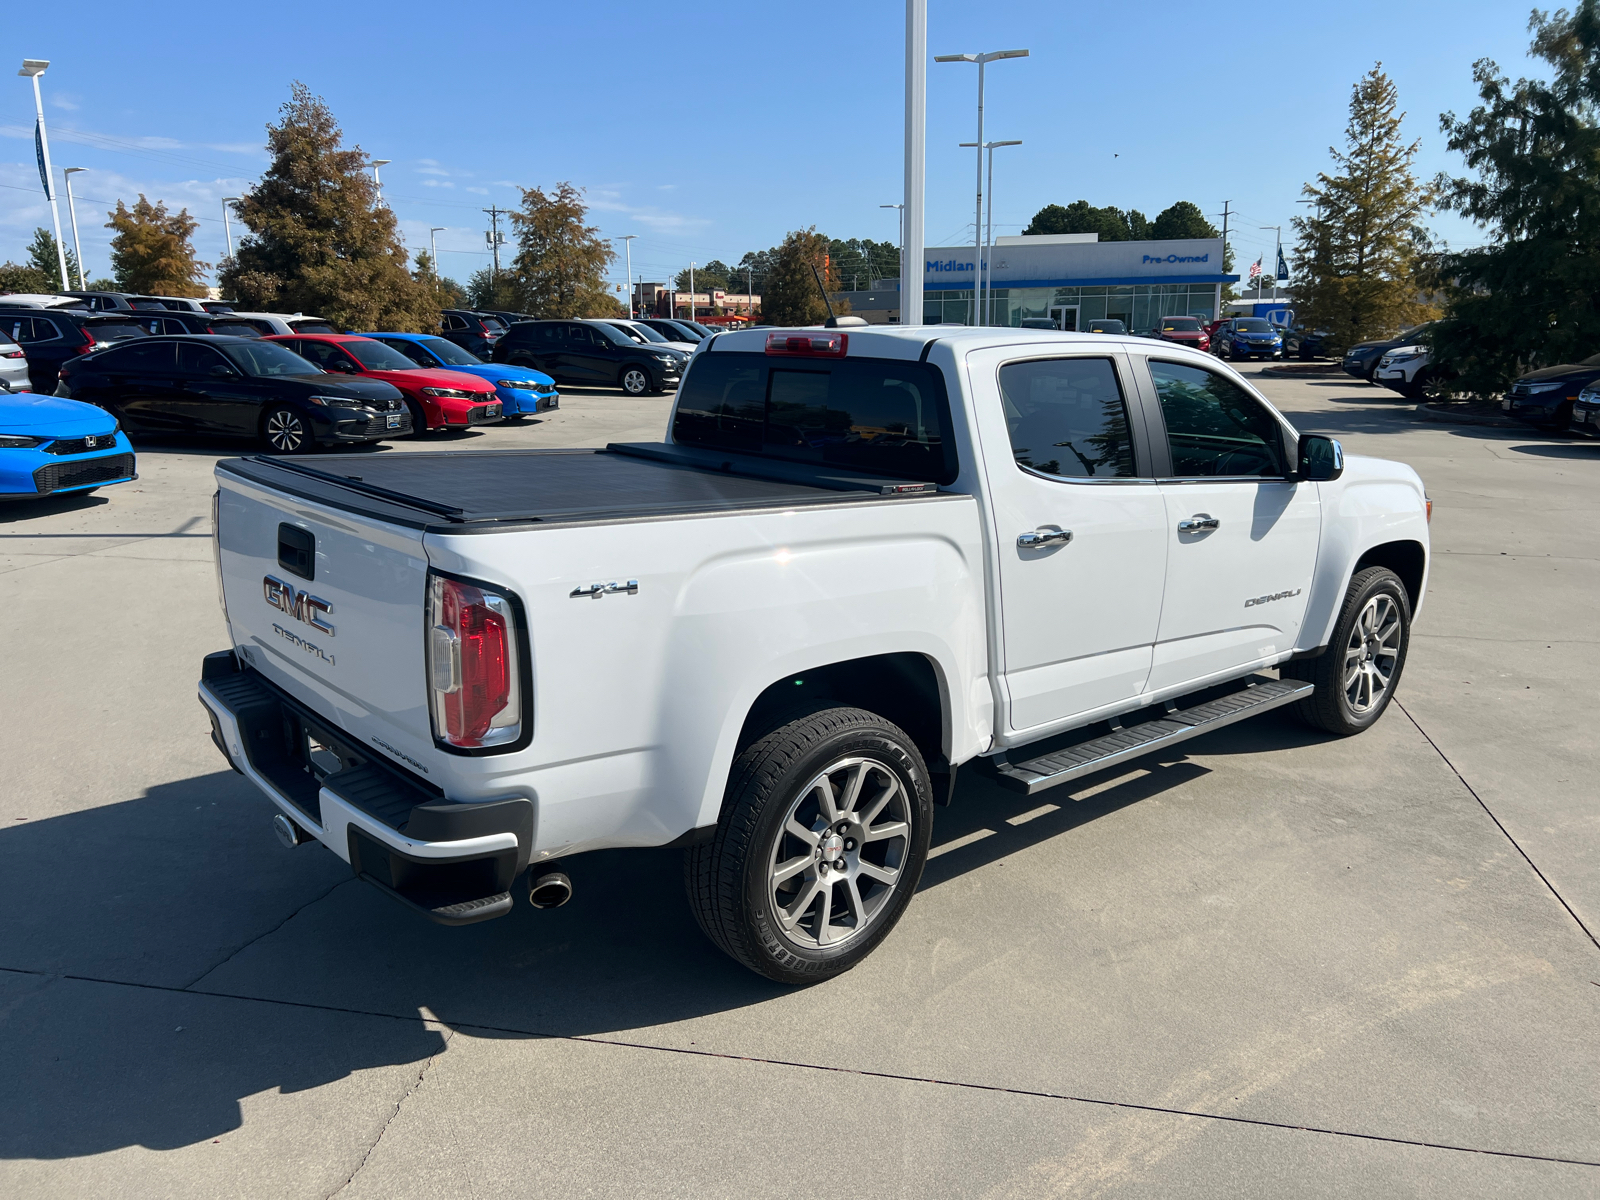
x=627 y=246
x=1225 y=203
x=750 y=294
x=494 y=238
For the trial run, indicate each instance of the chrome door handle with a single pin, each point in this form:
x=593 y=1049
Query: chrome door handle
x=1044 y=537
x=1199 y=523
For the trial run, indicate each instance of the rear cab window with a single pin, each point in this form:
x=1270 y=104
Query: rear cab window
x=877 y=416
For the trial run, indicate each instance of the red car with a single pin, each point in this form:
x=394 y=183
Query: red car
x=437 y=399
x=1186 y=331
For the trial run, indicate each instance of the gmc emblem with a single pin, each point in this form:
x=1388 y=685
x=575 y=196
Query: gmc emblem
x=302 y=606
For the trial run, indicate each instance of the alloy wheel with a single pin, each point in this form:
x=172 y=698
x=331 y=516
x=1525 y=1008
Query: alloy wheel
x=635 y=382
x=1372 y=654
x=839 y=854
x=286 y=432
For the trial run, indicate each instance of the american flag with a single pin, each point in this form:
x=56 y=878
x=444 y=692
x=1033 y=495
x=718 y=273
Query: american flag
x=1255 y=270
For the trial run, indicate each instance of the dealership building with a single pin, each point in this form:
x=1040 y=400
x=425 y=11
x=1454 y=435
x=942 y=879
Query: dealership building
x=1070 y=278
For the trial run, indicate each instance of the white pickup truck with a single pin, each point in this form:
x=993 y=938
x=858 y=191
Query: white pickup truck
x=861 y=559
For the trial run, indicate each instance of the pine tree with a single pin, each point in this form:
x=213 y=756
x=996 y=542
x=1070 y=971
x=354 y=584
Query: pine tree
x=561 y=263
x=1360 y=259
x=42 y=258
x=1531 y=296
x=151 y=251
x=790 y=295
x=320 y=241
x=498 y=291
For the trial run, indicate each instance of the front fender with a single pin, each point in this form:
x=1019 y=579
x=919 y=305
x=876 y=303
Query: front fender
x=1373 y=503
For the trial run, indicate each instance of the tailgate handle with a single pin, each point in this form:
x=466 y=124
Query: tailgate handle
x=297 y=551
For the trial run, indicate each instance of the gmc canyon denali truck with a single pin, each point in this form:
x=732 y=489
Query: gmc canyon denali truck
x=861 y=560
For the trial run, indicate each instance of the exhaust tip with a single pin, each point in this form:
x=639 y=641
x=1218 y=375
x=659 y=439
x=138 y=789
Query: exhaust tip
x=550 y=889
x=290 y=834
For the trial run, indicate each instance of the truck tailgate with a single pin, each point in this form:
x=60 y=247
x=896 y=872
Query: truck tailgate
x=328 y=605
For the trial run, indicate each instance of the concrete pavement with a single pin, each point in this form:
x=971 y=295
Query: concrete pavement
x=1275 y=964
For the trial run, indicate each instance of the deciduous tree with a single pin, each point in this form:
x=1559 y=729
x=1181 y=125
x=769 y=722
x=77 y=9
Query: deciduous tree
x=151 y=251
x=1112 y=224
x=1531 y=296
x=447 y=293
x=320 y=241
x=790 y=295
x=561 y=262
x=1182 y=220
x=1360 y=258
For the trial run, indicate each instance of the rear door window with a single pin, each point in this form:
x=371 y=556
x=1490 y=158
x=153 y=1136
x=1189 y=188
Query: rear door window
x=411 y=350
x=141 y=358
x=37 y=329
x=1067 y=417
x=879 y=416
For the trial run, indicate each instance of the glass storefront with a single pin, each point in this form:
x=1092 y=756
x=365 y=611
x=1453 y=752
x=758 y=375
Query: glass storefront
x=1139 y=306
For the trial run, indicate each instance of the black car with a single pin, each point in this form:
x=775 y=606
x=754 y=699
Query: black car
x=472 y=331
x=590 y=353
x=1361 y=360
x=1306 y=344
x=506 y=318
x=237 y=387
x=172 y=321
x=1546 y=398
x=107 y=301
x=53 y=336
x=675 y=331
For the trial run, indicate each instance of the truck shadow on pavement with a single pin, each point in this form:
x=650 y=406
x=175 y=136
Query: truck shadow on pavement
x=163 y=959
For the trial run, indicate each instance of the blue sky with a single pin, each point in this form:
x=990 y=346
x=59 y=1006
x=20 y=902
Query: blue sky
x=710 y=130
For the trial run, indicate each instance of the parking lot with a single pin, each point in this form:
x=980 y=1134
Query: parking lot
x=1276 y=964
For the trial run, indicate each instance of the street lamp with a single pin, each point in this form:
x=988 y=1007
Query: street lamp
x=691 y=292
x=33 y=68
x=985 y=264
x=900 y=213
x=912 y=267
x=227 y=227
x=627 y=248
x=433 y=246
x=376 y=182
x=982 y=60
x=72 y=211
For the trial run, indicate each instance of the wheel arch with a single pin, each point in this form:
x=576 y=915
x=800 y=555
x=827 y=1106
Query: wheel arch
x=1406 y=558
x=905 y=687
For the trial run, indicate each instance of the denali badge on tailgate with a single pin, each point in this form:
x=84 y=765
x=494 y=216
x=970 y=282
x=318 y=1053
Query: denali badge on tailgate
x=302 y=606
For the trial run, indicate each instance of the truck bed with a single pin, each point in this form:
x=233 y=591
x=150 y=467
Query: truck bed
x=451 y=489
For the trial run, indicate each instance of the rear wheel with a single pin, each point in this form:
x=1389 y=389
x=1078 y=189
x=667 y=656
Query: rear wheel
x=635 y=381
x=822 y=840
x=1357 y=674
x=286 y=431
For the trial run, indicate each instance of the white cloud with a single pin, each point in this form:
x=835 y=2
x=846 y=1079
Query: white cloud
x=439 y=183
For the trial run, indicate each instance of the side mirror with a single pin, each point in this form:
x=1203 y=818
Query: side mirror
x=1321 y=458
x=222 y=371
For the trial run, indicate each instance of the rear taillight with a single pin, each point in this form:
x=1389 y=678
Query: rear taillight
x=12 y=354
x=473 y=665
x=827 y=345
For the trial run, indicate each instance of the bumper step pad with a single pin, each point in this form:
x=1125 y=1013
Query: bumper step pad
x=1121 y=745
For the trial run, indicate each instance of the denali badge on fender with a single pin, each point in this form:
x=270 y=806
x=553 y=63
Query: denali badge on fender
x=1271 y=598
x=302 y=606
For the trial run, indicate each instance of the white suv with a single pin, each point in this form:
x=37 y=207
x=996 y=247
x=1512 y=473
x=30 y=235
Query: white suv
x=1405 y=370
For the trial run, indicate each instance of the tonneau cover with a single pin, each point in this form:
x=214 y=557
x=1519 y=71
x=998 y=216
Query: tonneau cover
x=467 y=488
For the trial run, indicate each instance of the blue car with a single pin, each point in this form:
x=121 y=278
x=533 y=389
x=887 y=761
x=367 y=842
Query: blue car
x=50 y=446
x=1247 y=337
x=521 y=390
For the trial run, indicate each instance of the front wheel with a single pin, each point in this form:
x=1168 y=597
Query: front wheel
x=1357 y=674
x=635 y=381
x=286 y=431
x=822 y=840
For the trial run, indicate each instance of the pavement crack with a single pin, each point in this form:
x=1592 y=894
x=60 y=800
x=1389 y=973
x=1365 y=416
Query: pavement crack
x=1032 y=1093
x=1517 y=846
x=398 y=1105
x=238 y=950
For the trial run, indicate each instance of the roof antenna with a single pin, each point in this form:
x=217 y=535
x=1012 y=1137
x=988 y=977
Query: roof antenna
x=817 y=276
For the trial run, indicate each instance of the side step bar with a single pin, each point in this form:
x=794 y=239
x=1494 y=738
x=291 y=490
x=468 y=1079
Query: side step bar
x=1121 y=745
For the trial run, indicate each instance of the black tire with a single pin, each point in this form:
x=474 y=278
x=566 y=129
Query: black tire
x=730 y=879
x=634 y=380
x=419 y=419
x=1332 y=707
x=286 y=430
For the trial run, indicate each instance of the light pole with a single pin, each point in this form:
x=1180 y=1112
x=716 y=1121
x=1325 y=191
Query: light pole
x=900 y=213
x=376 y=182
x=1277 y=254
x=33 y=68
x=982 y=60
x=227 y=226
x=985 y=266
x=916 y=147
x=433 y=248
x=691 y=291
x=627 y=249
x=72 y=211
